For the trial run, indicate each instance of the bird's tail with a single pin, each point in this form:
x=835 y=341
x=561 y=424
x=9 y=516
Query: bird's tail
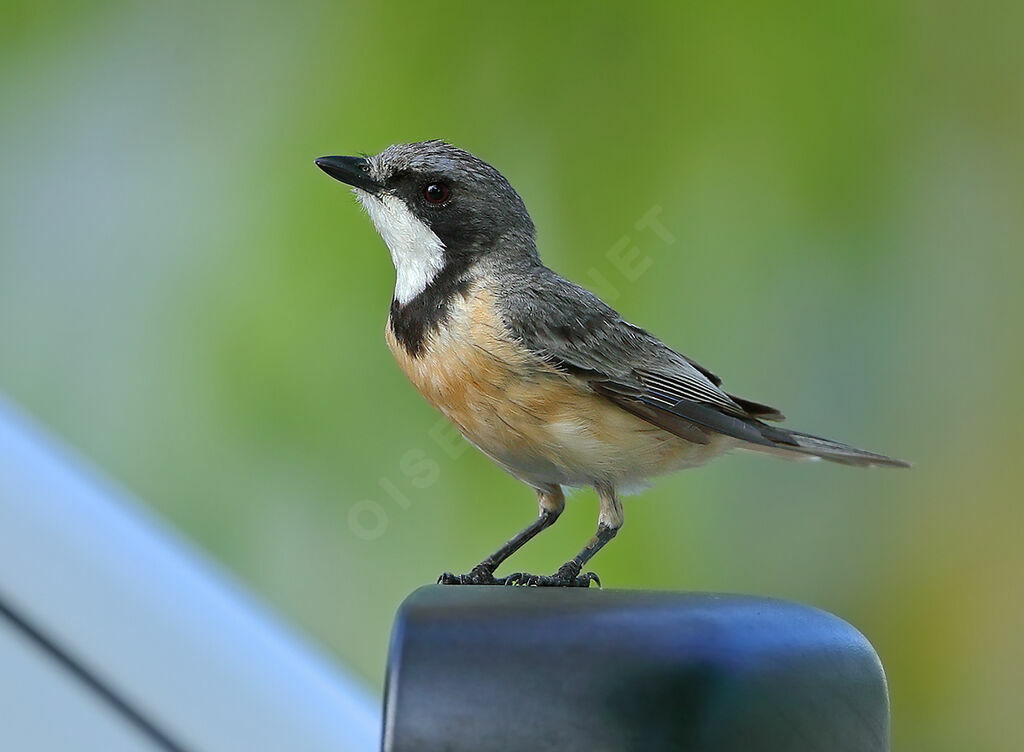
x=815 y=446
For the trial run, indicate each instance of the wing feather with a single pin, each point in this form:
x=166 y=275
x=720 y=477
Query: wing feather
x=575 y=331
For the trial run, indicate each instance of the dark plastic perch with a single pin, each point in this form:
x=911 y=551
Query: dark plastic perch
x=477 y=669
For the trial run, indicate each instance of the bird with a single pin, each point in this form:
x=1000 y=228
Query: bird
x=541 y=375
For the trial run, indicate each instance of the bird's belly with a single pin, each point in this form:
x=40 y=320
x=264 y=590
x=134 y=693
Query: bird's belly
x=578 y=439
x=541 y=425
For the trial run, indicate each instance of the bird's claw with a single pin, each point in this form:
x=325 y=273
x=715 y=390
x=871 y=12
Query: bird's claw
x=477 y=576
x=567 y=576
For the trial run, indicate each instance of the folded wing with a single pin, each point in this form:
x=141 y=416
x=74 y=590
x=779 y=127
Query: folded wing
x=576 y=332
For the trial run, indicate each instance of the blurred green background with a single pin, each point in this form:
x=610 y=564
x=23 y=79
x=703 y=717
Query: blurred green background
x=189 y=302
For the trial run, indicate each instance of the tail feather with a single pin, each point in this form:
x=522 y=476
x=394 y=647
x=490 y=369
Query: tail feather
x=758 y=410
x=827 y=449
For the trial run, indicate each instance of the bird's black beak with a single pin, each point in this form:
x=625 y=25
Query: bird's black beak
x=352 y=170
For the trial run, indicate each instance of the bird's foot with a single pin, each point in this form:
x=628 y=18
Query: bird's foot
x=479 y=575
x=568 y=575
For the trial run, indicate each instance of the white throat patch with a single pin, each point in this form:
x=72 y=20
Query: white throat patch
x=417 y=253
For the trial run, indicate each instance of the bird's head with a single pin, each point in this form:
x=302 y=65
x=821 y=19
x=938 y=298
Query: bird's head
x=437 y=207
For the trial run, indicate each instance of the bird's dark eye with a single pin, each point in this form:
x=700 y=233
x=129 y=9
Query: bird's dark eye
x=436 y=193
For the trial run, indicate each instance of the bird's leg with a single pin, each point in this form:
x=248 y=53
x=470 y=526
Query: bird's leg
x=568 y=575
x=551 y=502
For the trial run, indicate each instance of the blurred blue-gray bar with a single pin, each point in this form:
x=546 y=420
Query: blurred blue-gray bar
x=117 y=635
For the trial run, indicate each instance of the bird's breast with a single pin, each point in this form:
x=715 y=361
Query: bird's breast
x=542 y=425
x=470 y=365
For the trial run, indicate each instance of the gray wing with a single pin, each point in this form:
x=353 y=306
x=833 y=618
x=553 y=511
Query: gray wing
x=575 y=331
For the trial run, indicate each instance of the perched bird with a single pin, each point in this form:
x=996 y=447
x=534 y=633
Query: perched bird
x=540 y=374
